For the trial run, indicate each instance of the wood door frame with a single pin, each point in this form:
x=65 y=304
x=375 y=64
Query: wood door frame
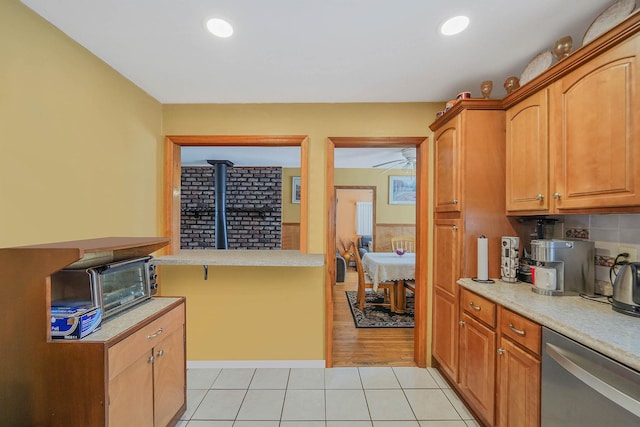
x=422 y=233
x=373 y=200
x=172 y=172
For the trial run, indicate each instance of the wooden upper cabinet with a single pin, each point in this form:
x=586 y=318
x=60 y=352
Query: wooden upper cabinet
x=595 y=132
x=447 y=167
x=527 y=153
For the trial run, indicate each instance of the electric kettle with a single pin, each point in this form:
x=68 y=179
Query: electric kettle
x=626 y=290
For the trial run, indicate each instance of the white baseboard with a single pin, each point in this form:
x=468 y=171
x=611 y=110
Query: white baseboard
x=197 y=364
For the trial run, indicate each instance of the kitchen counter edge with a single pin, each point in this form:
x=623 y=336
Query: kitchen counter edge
x=247 y=258
x=590 y=323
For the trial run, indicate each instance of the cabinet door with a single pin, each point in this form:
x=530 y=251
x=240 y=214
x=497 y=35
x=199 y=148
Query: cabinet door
x=445 y=302
x=595 y=132
x=131 y=394
x=447 y=168
x=518 y=387
x=447 y=235
x=445 y=332
x=527 y=169
x=477 y=366
x=169 y=377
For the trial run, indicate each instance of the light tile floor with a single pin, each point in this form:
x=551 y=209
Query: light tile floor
x=316 y=397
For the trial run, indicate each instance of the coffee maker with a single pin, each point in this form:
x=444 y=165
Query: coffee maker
x=509 y=259
x=563 y=267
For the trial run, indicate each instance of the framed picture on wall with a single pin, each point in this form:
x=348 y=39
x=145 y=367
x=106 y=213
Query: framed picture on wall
x=295 y=189
x=402 y=190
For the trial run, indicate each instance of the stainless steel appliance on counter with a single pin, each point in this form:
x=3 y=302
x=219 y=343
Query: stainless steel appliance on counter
x=509 y=259
x=112 y=287
x=583 y=388
x=567 y=267
x=626 y=290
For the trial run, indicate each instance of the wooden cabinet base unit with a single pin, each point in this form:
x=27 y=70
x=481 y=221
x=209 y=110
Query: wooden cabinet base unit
x=147 y=373
x=130 y=372
x=477 y=366
x=518 y=387
x=498 y=371
x=445 y=333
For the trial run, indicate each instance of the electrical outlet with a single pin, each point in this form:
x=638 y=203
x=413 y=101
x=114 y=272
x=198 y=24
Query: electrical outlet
x=632 y=251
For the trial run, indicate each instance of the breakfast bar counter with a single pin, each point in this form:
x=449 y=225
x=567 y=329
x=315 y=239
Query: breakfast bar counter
x=242 y=257
x=589 y=322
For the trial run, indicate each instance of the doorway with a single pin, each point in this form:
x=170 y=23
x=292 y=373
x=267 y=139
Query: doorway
x=355 y=217
x=421 y=145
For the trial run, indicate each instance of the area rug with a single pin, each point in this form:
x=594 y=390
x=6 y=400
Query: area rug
x=379 y=316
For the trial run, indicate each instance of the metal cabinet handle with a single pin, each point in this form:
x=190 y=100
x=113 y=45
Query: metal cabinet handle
x=501 y=351
x=155 y=334
x=454 y=228
x=516 y=330
x=151 y=359
x=556 y=196
x=160 y=353
x=461 y=323
x=454 y=201
x=475 y=307
x=540 y=197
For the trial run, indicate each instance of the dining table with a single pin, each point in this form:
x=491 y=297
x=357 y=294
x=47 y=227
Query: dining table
x=391 y=267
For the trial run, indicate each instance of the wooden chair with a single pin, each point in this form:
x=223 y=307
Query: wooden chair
x=407 y=243
x=365 y=282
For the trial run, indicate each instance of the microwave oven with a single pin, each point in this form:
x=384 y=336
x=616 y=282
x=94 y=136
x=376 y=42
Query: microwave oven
x=112 y=287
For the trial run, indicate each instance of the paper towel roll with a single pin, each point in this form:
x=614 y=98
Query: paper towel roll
x=483 y=258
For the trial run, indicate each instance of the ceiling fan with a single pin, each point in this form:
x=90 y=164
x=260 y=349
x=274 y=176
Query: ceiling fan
x=408 y=162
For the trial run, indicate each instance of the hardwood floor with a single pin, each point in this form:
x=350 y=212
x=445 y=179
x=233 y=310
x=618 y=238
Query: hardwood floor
x=366 y=347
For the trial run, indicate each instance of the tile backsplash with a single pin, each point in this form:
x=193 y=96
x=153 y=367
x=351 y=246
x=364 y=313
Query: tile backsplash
x=612 y=234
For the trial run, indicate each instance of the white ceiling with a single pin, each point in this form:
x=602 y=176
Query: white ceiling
x=317 y=50
x=313 y=51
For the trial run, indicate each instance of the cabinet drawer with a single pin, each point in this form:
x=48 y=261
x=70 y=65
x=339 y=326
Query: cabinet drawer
x=142 y=341
x=521 y=330
x=478 y=307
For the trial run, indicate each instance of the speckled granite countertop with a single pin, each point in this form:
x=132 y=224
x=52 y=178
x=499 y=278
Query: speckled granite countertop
x=111 y=327
x=590 y=323
x=256 y=258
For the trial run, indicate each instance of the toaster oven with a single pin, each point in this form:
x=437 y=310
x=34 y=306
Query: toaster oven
x=112 y=287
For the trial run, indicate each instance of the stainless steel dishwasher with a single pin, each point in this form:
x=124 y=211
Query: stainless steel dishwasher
x=581 y=387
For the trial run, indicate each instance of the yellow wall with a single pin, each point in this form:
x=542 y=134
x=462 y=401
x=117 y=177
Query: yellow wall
x=80 y=145
x=385 y=213
x=250 y=313
x=290 y=211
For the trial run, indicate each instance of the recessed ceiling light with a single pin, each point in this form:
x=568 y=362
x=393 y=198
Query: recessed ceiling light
x=219 y=27
x=454 y=25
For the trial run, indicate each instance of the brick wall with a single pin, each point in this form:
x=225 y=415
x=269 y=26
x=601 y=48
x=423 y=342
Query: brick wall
x=254 y=208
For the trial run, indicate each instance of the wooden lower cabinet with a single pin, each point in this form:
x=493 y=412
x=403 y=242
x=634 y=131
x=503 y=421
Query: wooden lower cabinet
x=498 y=359
x=147 y=374
x=445 y=294
x=131 y=395
x=445 y=332
x=169 y=377
x=518 y=377
x=518 y=385
x=477 y=366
